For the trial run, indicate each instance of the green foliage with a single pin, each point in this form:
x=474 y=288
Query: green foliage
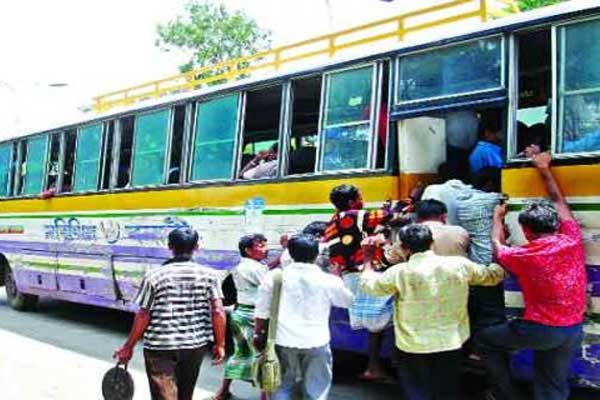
x=525 y=5
x=213 y=34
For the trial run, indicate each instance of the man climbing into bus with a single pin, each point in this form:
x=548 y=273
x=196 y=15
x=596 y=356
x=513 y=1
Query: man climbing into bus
x=347 y=228
x=551 y=272
x=431 y=323
x=177 y=303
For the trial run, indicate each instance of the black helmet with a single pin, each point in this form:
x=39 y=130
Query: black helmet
x=117 y=384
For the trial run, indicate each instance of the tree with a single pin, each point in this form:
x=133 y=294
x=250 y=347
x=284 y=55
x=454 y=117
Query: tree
x=525 y=5
x=213 y=34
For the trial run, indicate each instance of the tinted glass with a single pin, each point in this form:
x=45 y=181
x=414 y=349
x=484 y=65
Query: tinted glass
x=5 y=168
x=34 y=166
x=579 y=88
x=87 y=158
x=151 y=131
x=349 y=96
x=452 y=70
x=216 y=127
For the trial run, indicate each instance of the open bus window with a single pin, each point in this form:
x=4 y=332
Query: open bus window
x=87 y=158
x=5 y=168
x=53 y=170
x=33 y=169
x=125 y=148
x=383 y=121
x=347 y=127
x=261 y=133
x=579 y=88
x=535 y=87
x=70 y=144
x=305 y=125
x=107 y=155
x=214 y=138
x=151 y=133
x=176 y=148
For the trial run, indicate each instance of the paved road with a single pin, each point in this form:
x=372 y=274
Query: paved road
x=61 y=351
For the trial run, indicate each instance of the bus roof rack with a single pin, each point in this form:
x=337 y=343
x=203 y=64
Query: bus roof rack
x=393 y=29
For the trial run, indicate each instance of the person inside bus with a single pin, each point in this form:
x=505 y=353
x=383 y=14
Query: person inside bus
x=487 y=152
x=247 y=277
x=344 y=233
x=263 y=165
x=551 y=272
x=175 y=338
x=430 y=311
x=461 y=136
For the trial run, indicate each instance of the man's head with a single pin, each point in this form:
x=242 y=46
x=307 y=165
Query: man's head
x=488 y=179
x=303 y=248
x=538 y=220
x=490 y=128
x=253 y=246
x=346 y=197
x=315 y=228
x=415 y=238
x=183 y=241
x=431 y=210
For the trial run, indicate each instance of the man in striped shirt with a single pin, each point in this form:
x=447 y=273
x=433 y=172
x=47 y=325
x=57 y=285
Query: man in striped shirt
x=180 y=306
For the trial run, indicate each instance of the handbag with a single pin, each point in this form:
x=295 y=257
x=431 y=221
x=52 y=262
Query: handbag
x=266 y=370
x=117 y=384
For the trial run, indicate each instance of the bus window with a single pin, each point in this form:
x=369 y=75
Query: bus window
x=53 y=171
x=34 y=165
x=176 y=152
x=70 y=144
x=214 y=138
x=13 y=189
x=535 y=88
x=87 y=158
x=383 y=121
x=304 y=125
x=347 y=123
x=5 y=168
x=125 y=147
x=151 y=133
x=579 y=88
x=261 y=133
x=107 y=155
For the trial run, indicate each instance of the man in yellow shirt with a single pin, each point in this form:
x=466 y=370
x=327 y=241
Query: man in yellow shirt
x=431 y=321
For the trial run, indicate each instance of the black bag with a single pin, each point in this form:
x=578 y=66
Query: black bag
x=229 y=291
x=117 y=384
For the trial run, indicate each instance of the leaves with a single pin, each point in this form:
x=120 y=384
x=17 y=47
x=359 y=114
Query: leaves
x=525 y=5
x=213 y=33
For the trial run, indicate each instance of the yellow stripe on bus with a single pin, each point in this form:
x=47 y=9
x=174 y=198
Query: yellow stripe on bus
x=574 y=180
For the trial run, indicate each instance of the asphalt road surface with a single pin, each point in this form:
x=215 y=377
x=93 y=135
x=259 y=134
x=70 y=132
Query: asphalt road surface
x=61 y=351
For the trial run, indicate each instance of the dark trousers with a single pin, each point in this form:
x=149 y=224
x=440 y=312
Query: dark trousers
x=553 y=349
x=433 y=376
x=486 y=306
x=172 y=374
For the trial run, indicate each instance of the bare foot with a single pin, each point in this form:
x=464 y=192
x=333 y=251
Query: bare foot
x=373 y=375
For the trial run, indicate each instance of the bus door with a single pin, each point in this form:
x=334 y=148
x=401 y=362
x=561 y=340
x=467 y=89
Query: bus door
x=85 y=274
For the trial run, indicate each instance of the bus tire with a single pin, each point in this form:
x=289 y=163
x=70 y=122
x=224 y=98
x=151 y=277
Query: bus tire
x=17 y=300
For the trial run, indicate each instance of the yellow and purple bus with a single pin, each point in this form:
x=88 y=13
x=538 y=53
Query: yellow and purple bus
x=85 y=207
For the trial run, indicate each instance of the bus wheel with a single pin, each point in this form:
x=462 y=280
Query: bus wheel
x=17 y=300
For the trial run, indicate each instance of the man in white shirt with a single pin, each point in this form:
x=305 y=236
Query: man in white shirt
x=302 y=337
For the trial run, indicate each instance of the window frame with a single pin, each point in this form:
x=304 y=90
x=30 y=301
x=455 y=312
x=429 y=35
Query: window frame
x=426 y=100
x=27 y=140
x=375 y=89
x=101 y=150
x=9 y=175
x=556 y=112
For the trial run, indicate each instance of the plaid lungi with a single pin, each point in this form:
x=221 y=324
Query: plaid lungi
x=373 y=313
x=239 y=365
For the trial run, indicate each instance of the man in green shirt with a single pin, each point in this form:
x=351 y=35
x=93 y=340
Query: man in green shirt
x=431 y=321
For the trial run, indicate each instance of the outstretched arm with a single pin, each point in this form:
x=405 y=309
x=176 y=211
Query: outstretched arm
x=498 y=236
x=541 y=162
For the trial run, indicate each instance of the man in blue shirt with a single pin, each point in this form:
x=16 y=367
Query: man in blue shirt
x=487 y=152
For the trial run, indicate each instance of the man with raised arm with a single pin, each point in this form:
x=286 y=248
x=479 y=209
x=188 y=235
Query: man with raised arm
x=550 y=269
x=180 y=313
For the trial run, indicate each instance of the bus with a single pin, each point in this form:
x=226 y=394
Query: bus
x=86 y=206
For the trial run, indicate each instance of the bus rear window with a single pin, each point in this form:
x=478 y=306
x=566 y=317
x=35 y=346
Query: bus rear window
x=87 y=158
x=151 y=131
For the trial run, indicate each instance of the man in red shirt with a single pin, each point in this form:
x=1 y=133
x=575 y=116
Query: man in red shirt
x=550 y=269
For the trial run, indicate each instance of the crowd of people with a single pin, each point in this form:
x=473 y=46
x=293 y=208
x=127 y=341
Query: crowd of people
x=431 y=266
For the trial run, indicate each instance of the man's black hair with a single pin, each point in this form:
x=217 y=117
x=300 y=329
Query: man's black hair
x=430 y=208
x=183 y=240
x=303 y=248
x=491 y=120
x=247 y=241
x=342 y=195
x=416 y=237
x=315 y=228
x=539 y=218
x=488 y=179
